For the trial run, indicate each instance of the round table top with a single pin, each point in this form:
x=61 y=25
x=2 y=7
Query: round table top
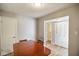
x=30 y=48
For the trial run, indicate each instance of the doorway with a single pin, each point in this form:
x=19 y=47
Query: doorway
x=56 y=34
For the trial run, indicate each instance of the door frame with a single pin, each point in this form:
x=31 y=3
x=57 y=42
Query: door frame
x=61 y=19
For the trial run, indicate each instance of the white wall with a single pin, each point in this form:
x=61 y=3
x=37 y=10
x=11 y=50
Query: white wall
x=27 y=28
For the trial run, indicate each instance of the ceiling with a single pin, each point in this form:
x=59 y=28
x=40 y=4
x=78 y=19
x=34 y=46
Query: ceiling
x=30 y=10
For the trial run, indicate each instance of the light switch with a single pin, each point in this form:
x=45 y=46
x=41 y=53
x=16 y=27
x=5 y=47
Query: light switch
x=76 y=33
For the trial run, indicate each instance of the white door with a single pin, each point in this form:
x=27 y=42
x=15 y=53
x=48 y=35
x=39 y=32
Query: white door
x=61 y=34
x=9 y=34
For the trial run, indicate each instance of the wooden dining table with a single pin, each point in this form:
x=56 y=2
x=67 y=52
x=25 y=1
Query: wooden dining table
x=30 y=48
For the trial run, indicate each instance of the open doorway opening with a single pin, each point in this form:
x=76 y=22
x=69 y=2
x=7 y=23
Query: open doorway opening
x=56 y=35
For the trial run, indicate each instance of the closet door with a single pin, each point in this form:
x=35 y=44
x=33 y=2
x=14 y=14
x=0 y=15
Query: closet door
x=9 y=34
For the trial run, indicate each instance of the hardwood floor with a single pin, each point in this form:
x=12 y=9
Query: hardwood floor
x=30 y=48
